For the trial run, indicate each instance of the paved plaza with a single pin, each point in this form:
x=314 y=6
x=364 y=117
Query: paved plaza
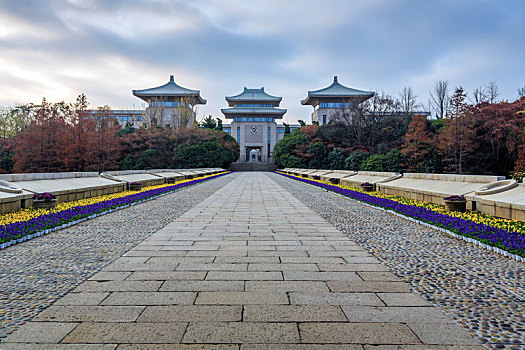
x=251 y=265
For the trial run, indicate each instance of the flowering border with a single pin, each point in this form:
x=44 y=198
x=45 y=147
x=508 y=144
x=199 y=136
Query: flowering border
x=509 y=243
x=18 y=232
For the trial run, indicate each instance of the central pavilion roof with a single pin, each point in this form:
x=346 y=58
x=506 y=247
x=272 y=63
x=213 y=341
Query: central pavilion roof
x=253 y=96
x=253 y=102
x=170 y=90
x=336 y=91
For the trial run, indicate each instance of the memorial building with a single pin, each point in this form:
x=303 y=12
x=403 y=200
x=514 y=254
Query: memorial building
x=170 y=104
x=335 y=100
x=253 y=113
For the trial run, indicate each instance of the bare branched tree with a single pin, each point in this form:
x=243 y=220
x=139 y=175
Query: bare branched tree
x=408 y=101
x=492 y=91
x=439 y=99
x=155 y=113
x=521 y=92
x=184 y=117
x=480 y=95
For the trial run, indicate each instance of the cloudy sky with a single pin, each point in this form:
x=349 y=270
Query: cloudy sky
x=59 y=49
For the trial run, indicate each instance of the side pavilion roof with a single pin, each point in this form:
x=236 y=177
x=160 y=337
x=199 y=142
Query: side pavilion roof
x=335 y=90
x=171 y=89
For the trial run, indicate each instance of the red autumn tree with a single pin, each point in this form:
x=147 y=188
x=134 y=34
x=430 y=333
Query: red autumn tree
x=107 y=148
x=43 y=145
x=500 y=131
x=417 y=143
x=82 y=139
x=458 y=138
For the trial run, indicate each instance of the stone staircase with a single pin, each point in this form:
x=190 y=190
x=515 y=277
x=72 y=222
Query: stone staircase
x=253 y=166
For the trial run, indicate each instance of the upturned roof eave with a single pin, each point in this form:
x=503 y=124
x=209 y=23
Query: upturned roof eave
x=253 y=111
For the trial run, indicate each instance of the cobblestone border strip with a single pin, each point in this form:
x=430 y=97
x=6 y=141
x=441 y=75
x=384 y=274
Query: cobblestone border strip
x=450 y=233
x=75 y=222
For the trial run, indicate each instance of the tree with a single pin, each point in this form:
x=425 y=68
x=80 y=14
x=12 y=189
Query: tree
x=219 y=124
x=355 y=159
x=417 y=144
x=107 y=146
x=287 y=150
x=439 y=99
x=286 y=129
x=480 y=95
x=207 y=154
x=408 y=101
x=44 y=145
x=14 y=120
x=458 y=138
x=521 y=92
x=319 y=156
x=492 y=91
x=209 y=123
x=301 y=122
x=336 y=159
x=390 y=161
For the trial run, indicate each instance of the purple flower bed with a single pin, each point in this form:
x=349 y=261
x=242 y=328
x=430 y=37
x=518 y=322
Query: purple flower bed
x=20 y=229
x=511 y=241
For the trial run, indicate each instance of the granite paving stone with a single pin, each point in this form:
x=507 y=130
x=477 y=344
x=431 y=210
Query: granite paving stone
x=129 y=332
x=241 y=332
x=222 y=274
x=478 y=289
x=191 y=313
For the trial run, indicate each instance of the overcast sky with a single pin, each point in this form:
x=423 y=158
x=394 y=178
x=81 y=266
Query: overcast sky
x=59 y=49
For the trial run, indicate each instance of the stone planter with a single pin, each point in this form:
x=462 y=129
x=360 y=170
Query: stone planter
x=334 y=181
x=304 y=175
x=135 y=187
x=367 y=188
x=171 y=180
x=460 y=206
x=43 y=204
x=317 y=177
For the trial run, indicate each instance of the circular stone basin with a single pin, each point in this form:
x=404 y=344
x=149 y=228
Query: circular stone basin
x=9 y=187
x=496 y=187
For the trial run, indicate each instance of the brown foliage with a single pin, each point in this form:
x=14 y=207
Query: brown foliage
x=417 y=143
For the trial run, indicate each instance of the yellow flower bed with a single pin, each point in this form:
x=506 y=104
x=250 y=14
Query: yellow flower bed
x=31 y=213
x=505 y=224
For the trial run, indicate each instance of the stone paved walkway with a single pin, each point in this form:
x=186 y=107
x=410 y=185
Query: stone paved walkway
x=250 y=267
x=34 y=274
x=479 y=289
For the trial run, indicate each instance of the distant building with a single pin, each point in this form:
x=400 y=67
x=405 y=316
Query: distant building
x=334 y=100
x=122 y=116
x=254 y=113
x=170 y=104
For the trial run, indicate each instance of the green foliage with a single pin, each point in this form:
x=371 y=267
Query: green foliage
x=206 y=154
x=286 y=146
x=336 y=159
x=301 y=122
x=209 y=123
x=129 y=162
x=319 y=156
x=291 y=161
x=383 y=162
x=219 y=124
x=355 y=159
x=286 y=129
x=128 y=129
x=148 y=159
x=6 y=160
